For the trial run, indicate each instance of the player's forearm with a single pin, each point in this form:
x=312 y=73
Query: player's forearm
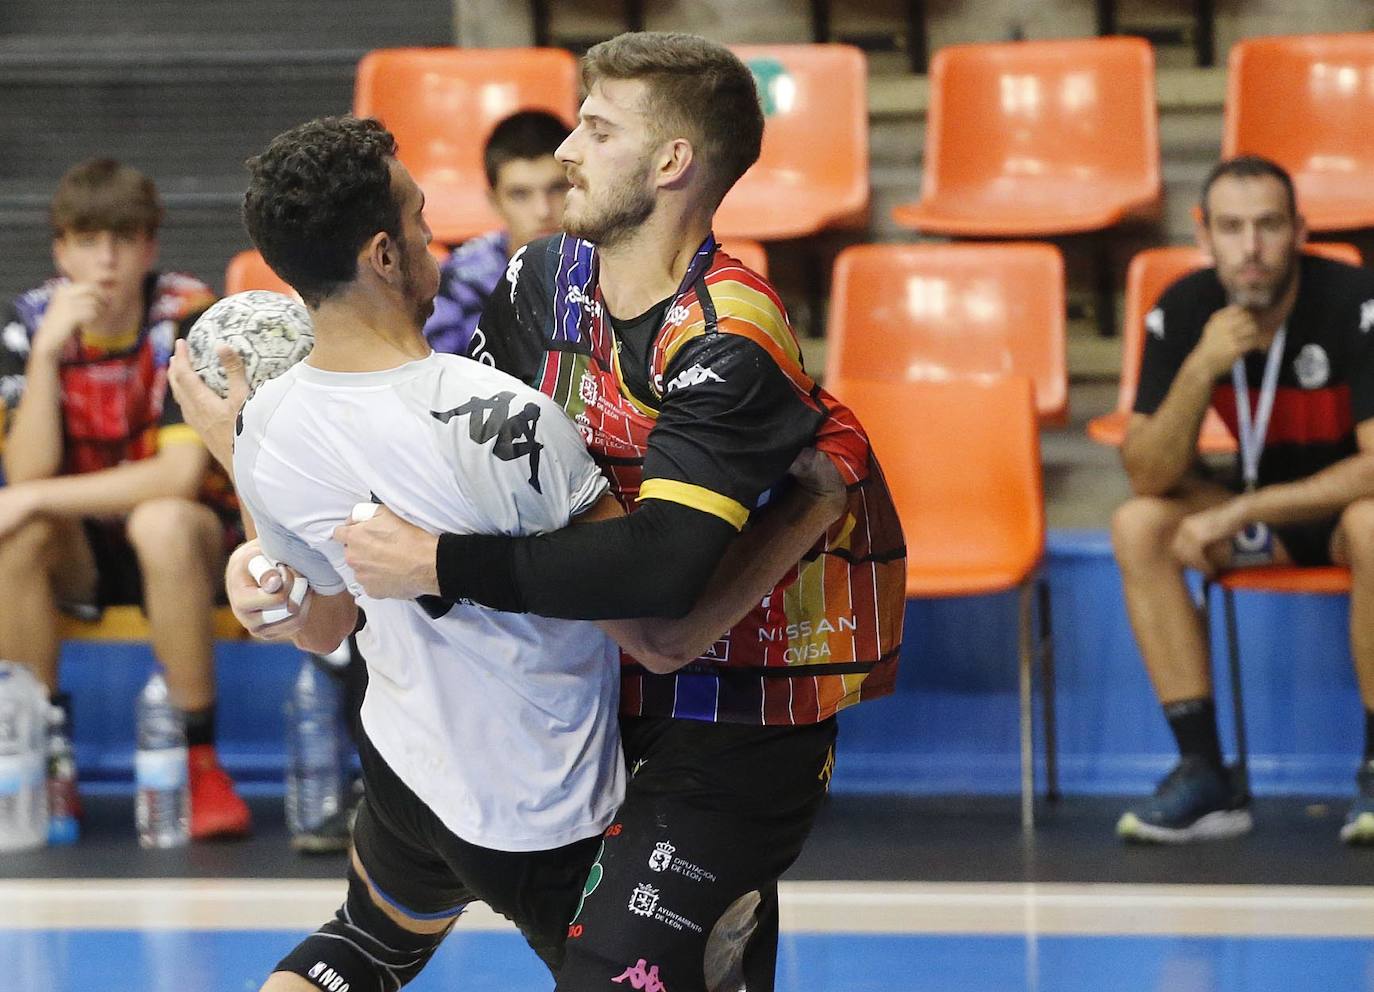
x=1322 y=495
x=653 y=563
x=754 y=564
x=174 y=472
x=1160 y=449
x=33 y=449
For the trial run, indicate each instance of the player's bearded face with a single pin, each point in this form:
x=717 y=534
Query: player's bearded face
x=418 y=284
x=606 y=210
x=1254 y=239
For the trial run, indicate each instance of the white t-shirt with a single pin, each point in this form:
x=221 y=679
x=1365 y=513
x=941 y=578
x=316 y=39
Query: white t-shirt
x=503 y=724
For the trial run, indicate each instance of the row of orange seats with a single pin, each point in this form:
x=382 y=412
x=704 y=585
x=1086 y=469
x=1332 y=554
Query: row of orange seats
x=1027 y=139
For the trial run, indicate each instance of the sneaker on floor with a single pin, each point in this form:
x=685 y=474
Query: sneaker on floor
x=1359 y=822
x=1195 y=801
x=334 y=833
x=216 y=809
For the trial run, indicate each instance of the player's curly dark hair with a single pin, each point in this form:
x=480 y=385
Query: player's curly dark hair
x=317 y=195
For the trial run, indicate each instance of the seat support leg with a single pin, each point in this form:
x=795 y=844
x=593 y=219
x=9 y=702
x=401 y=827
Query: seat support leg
x=1242 y=772
x=1027 y=598
x=1047 y=688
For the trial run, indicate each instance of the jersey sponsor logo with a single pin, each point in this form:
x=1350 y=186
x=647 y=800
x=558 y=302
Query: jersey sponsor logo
x=1312 y=367
x=694 y=376
x=16 y=338
x=677 y=313
x=514 y=432
x=643 y=900
x=662 y=856
x=641 y=977
x=1154 y=323
x=513 y=267
x=1366 y=316
x=809 y=628
x=327 y=978
x=576 y=295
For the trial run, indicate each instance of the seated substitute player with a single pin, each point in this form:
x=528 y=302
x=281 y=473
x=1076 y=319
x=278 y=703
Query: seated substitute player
x=683 y=374
x=526 y=189
x=489 y=745
x=1279 y=344
x=102 y=504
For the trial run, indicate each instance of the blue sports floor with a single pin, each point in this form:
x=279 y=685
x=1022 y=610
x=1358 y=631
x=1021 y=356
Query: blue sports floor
x=224 y=935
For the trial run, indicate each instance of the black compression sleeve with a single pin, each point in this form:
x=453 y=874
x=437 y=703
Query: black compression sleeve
x=653 y=563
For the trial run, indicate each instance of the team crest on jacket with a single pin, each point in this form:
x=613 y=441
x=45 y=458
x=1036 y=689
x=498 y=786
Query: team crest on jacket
x=1312 y=367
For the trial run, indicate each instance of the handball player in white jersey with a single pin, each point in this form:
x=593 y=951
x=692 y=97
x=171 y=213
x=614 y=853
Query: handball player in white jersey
x=490 y=750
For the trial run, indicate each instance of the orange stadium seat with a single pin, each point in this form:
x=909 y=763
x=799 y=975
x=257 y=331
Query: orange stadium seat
x=1305 y=101
x=751 y=253
x=441 y=103
x=939 y=311
x=1151 y=272
x=813 y=171
x=962 y=459
x=1038 y=138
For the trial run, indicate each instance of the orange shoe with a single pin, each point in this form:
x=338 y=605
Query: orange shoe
x=217 y=812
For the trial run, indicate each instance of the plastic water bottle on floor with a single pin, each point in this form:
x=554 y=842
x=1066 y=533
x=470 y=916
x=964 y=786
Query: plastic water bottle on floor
x=23 y=739
x=63 y=826
x=314 y=752
x=162 y=807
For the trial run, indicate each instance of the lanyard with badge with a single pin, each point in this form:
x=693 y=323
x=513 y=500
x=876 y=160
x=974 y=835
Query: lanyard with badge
x=1254 y=545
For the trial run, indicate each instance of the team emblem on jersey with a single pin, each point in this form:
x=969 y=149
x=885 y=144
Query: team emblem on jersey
x=1366 y=316
x=588 y=389
x=662 y=856
x=644 y=899
x=1154 y=323
x=1312 y=367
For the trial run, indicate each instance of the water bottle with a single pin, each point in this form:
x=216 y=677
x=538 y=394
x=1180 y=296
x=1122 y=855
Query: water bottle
x=162 y=807
x=63 y=826
x=23 y=733
x=314 y=754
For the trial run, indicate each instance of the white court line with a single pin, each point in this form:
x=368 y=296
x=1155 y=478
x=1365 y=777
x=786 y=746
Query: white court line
x=810 y=907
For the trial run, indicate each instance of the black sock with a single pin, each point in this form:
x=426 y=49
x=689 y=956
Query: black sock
x=63 y=701
x=1194 y=723
x=200 y=726
x=1369 y=735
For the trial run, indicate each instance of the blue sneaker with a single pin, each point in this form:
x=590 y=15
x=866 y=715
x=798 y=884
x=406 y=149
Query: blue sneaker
x=1359 y=822
x=1196 y=801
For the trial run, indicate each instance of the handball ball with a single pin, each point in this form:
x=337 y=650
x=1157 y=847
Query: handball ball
x=270 y=331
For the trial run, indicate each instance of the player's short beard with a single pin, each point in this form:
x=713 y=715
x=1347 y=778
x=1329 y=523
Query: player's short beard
x=422 y=305
x=1263 y=297
x=626 y=206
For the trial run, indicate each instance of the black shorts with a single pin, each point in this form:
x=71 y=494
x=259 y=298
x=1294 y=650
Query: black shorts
x=1308 y=544
x=687 y=874
x=422 y=869
x=119 y=580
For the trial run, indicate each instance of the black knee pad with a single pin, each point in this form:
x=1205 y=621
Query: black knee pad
x=361 y=949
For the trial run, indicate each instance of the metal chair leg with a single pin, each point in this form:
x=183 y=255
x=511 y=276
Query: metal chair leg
x=1047 y=690
x=1242 y=772
x=1024 y=680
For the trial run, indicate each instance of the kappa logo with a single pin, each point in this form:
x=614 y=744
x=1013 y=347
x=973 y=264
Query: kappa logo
x=694 y=376
x=1366 y=316
x=643 y=900
x=642 y=977
x=575 y=295
x=662 y=856
x=513 y=267
x=1154 y=323
x=327 y=978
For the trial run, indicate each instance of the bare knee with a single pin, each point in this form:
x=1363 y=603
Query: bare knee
x=1142 y=530
x=32 y=545
x=171 y=533
x=1355 y=536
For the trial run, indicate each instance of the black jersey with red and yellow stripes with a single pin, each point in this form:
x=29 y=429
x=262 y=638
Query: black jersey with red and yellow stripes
x=709 y=414
x=116 y=405
x=1326 y=378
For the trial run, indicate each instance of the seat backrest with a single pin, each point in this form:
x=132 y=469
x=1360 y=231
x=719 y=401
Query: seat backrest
x=441 y=104
x=962 y=459
x=1305 y=101
x=247 y=270
x=751 y=253
x=815 y=134
x=940 y=311
x=1080 y=109
x=1154 y=270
